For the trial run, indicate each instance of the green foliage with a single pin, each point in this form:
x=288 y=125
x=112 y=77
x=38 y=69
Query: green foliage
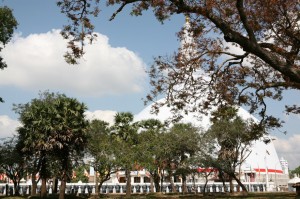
x=12 y=162
x=232 y=137
x=53 y=131
x=80 y=173
x=296 y=171
x=7 y=26
x=150 y=143
x=185 y=138
x=125 y=138
x=101 y=148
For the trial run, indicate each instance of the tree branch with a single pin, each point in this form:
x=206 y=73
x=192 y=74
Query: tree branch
x=125 y=2
x=240 y=8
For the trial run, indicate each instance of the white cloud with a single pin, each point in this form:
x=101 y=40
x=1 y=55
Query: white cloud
x=107 y=115
x=289 y=149
x=36 y=63
x=7 y=126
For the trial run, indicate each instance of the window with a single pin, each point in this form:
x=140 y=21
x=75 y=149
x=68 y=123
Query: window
x=146 y=179
x=122 y=180
x=137 y=180
x=177 y=179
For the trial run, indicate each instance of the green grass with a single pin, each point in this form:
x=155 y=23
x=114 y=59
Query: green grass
x=275 y=195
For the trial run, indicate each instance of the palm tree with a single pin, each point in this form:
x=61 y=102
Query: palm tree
x=125 y=135
x=53 y=129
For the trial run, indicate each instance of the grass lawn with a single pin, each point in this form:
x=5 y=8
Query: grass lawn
x=275 y=195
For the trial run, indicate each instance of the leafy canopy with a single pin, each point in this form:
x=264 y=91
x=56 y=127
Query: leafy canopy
x=267 y=33
x=7 y=26
x=53 y=130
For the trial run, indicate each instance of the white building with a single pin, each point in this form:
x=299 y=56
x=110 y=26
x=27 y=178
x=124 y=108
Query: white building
x=262 y=165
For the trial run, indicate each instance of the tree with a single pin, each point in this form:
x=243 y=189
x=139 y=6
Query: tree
x=125 y=137
x=36 y=162
x=80 y=173
x=203 y=160
x=101 y=148
x=266 y=32
x=150 y=149
x=233 y=137
x=7 y=26
x=12 y=162
x=54 y=129
x=296 y=171
x=184 y=141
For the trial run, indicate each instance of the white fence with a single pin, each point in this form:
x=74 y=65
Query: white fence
x=89 y=188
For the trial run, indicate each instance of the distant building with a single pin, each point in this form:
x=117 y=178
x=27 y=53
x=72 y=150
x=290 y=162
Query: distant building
x=285 y=165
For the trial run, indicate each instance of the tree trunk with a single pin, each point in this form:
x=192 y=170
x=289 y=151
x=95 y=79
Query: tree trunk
x=194 y=184
x=205 y=184
x=231 y=184
x=172 y=184
x=240 y=184
x=151 y=184
x=16 y=187
x=43 y=175
x=161 y=180
x=128 y=183
x=55 y=185
x=184 y=187
x=97 y=187
x=63 y=186
x=33 y=184
x=156 y=179
x=221 y=175
x=43 y=188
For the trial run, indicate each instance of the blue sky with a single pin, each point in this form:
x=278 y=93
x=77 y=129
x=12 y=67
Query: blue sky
x=111 y=77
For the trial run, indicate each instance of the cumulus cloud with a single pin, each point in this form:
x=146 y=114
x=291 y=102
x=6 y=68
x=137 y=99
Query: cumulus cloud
x=289 y=149
x=7 y=126
x=36 y=63
x=107 y=115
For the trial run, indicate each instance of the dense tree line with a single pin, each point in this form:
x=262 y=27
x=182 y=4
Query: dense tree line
x=55 y=141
